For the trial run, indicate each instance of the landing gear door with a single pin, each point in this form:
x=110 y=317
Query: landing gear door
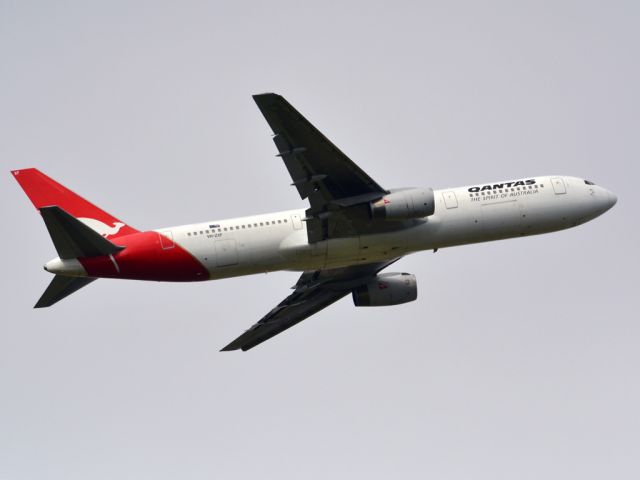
x=558 y=185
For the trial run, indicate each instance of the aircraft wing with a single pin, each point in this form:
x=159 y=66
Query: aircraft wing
x=314 y=291
x=333 y=184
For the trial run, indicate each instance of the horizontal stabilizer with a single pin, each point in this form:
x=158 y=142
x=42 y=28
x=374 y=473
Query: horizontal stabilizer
x=61 y=287
x=72 y=238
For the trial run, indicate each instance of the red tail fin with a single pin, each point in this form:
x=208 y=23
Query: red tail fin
x=45 y=192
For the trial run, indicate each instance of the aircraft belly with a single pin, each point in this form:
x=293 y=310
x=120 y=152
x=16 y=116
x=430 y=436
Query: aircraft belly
x=298 y=254
x=382 y=246
x=341 y=250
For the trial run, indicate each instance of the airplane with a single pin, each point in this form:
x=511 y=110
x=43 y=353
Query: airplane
x=352 y=231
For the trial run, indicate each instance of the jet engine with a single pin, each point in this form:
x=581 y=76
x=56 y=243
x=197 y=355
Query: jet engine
x=386 y=289
x=404 y=204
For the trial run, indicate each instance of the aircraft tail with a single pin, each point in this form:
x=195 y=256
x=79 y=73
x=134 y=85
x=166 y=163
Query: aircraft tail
x=46 y=192
x=77 y=227
x=72 y=239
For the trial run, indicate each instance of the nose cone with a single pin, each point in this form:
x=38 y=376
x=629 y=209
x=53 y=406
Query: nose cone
x=604 y=199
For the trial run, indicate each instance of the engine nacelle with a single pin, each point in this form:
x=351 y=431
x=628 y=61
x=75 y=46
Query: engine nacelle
x=405 y=204
x=386 y=289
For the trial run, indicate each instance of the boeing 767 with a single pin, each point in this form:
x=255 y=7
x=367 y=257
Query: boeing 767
x=353 y=229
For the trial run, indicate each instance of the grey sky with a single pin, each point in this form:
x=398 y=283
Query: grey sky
x=519 y=359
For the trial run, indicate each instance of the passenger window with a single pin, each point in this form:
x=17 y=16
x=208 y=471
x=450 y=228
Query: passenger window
x=279 y=221
x=285 y=220
x=189 y=233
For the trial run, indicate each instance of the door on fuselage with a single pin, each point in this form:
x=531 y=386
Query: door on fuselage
x=296 y=221
x=558 y=185
x=166 y=240
x=226 y=253
x=450 y=200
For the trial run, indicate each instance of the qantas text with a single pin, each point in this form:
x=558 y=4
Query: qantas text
x=519 y=183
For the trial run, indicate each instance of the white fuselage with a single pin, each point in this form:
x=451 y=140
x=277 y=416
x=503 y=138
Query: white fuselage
x=278 y=241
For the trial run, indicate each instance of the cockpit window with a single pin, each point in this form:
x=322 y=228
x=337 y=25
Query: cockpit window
x=588 y=182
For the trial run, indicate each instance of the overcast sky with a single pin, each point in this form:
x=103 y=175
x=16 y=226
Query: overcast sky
x=520 y=358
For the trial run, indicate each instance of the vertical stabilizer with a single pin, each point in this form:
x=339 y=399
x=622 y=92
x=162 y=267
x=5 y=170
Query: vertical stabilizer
x=44 y=192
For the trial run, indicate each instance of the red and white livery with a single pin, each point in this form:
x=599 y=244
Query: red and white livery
x=352 y=230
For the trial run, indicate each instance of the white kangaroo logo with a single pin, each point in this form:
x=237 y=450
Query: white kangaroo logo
x=101 y=227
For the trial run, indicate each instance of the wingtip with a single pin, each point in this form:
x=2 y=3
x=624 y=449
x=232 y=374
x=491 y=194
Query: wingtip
x=229 y=348
x=265 y=97
x=236 y=345
x=17 y=171
x=42 y=303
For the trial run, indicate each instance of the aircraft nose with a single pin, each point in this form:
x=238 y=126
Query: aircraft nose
x=605 y=200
